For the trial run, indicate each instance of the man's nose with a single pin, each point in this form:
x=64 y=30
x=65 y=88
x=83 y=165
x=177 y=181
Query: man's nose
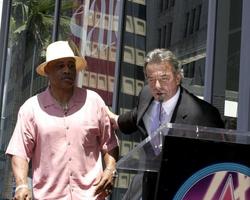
x=66 y=69
x=157 y=83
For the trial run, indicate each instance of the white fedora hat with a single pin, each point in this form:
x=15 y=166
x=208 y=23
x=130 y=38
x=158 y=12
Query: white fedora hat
x=60 y=50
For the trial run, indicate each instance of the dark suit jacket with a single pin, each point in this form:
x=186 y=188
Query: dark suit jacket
x=189 y=110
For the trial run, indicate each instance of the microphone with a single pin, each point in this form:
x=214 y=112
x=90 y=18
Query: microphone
x=161 y=98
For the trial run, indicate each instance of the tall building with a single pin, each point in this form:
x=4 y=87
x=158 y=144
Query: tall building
x=130 y=78
x=183 y=27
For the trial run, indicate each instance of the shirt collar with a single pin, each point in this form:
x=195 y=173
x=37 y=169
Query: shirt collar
x=170 y=104
x=47 y=99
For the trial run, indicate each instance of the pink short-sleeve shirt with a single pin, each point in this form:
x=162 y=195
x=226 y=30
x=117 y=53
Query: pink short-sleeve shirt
x=65 y=147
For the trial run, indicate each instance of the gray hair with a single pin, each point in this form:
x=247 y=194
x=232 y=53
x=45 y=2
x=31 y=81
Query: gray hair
x=161 y=55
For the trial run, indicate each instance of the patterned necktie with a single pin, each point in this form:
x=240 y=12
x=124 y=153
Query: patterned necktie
x=164 y=117
x=155 y=117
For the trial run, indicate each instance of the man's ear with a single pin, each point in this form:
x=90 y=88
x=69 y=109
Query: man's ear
x=178 y=78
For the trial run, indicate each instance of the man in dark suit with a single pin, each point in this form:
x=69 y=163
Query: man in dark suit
x=163 y=74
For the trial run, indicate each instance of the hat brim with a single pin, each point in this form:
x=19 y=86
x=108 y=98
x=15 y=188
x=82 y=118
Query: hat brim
x=80 y=64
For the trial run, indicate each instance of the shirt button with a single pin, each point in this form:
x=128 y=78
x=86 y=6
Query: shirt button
x=67 y=127
x=69 y=159
x=68 y=143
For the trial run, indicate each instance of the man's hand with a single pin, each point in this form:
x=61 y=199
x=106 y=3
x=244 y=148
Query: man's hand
x=113 y=118
x=105 y=185
x=23 y=194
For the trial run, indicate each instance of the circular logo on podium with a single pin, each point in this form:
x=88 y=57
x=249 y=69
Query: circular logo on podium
x=223 y=181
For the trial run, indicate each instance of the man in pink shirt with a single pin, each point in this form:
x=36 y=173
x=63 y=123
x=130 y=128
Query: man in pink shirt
x=66 y=133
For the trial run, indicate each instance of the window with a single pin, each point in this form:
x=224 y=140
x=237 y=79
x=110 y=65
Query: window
x=159 y=37
x=192 y=23
x=169 y=34
x=172 y=3
x=186 y=25
x=197 y=18
x=163 y=34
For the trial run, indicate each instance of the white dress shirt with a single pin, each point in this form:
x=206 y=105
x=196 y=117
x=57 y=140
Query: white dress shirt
x=167 y=107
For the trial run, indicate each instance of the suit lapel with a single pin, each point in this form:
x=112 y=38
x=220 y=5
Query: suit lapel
x=143 y=106
x=180 y=113
x=145 y=100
